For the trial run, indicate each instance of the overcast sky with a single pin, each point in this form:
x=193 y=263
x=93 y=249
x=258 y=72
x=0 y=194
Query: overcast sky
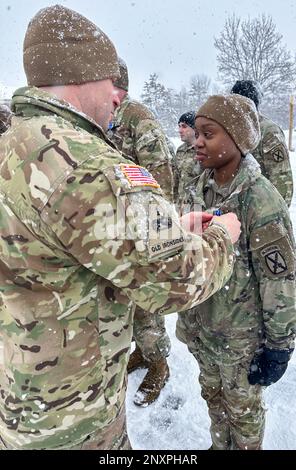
x=173 y=38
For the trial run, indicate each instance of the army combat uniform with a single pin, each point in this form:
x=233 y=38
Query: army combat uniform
x=77 y=254
x=273 y=155
x=185 y=168
x=256 y=306
x=138 y=135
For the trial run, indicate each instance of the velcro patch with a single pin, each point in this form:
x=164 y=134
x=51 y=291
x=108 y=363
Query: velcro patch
x=278 y=155
x=165 y=246
x=165 y=234
x=138 y=176
x=275 y=260
x=274 y=250
x=161 y=223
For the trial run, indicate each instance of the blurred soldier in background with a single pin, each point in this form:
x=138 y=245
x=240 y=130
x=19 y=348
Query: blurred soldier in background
x=272 y=152
x=185 y=166
x=137 y=133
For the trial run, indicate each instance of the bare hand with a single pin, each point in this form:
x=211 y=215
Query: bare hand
x=231 y=223
x=195 y=222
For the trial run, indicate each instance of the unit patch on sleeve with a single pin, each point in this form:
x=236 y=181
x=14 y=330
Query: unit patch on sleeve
x=273 y=246
x=275 y=260
x=278 y=155
x=138 y=176
x=165 y=233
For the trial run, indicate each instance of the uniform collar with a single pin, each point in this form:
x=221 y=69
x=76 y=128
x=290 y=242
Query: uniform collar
x=31 y=101
x=249 y=171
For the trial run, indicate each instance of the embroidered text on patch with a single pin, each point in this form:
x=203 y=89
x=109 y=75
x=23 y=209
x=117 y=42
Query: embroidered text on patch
x=138 y=176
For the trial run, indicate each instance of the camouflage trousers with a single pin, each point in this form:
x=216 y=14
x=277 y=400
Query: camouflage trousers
x=150 y=335
x=114 y=437
x=235 y=407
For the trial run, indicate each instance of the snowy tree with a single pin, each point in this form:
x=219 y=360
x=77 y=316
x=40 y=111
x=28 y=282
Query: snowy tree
x=253 y=50
x=182 y=101
x=160 y=100
x=199 y=90
x=276 y=107
x=153 y=93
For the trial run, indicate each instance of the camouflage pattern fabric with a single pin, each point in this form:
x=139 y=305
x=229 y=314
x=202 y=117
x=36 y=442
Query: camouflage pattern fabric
x=114 y=438
x=139 y=136
x=151 y=336
x=273 y=155
x=231 y=399
x=82 y=243
x=185 y=168
x=258 y=303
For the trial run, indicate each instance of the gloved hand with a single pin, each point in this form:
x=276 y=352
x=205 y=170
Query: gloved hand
x=269 y=366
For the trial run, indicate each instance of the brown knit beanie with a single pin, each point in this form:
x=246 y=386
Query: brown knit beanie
x=122 y=81
x=62 y=47
x=239 y=117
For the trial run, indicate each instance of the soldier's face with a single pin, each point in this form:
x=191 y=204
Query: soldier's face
x=187 y=134
x=214 y=146
x=99 y=101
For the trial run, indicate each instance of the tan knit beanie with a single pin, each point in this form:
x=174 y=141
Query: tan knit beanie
x=239 y=117
x=62 y=47
x=122 y=81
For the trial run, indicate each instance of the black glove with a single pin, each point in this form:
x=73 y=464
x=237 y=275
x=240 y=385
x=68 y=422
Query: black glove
x=269 y=366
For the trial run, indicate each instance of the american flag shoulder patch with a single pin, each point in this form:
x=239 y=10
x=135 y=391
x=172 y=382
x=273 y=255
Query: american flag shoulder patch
x=138 y=176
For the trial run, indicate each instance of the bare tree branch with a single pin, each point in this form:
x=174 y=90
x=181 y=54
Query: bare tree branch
x=253 y=50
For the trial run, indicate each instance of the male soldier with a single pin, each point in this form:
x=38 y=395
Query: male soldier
x=5 y=116
x=243 y=336
x=185 y=166
x=76 y=249
x=272 y=152
x=136 y=132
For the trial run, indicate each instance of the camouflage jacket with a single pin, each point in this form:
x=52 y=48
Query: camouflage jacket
x=258 y=303
x=139 y=136
x=78 y=251
x=185 y=167
x=273 y=155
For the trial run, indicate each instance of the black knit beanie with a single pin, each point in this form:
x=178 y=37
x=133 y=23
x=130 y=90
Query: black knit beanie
x=248 y=88
x=188 y=118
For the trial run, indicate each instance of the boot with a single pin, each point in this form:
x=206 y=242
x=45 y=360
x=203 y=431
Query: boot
x=136 y=361
x=154 y=381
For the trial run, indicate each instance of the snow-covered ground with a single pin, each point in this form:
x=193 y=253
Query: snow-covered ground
x=179 y=419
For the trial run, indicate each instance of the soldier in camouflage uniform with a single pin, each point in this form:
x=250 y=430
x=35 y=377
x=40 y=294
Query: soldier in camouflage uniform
x=77 y=253
x=272 y=152
x=185 y=167
x=243 y=336
x=5 y=117
x=137 y=133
